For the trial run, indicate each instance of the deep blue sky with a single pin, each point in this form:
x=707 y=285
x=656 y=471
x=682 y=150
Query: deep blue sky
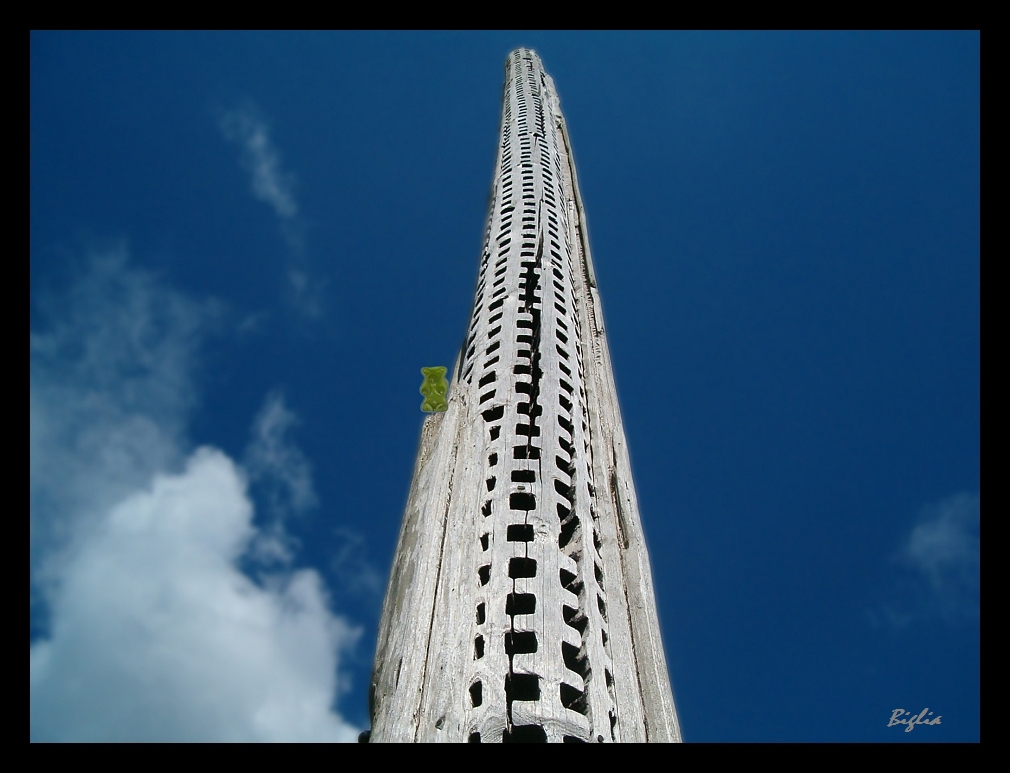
x=786 y=235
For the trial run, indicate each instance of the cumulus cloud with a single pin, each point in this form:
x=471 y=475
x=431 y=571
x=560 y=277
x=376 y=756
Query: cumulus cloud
x=941 y=562
x=275 y=186
x=153 y=632
x=110 y=389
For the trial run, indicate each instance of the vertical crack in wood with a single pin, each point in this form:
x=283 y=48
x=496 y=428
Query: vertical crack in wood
x=438 y=572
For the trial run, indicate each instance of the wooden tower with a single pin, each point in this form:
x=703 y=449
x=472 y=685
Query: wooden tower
x=520 y=605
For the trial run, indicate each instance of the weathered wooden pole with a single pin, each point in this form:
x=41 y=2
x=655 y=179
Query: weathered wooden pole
x=520 y=605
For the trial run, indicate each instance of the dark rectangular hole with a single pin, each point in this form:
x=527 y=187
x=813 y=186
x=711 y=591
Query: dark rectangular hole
x=598 y=572
x=497 y=330
x=573 y=698
x=487 y=396
x=484 y=541
x=563 y=490
x=520 y=532
x=494 y=414
x=526 y=429
x=522 y=501
x=565 y=402
x=491 y=483
x=521 y=567
x=597 y=542
x=564 y=465
x=602 y=605
x=567 y=531
x=524 y=387
x=575 y=659
x=486 y=509
x=525 y=452
x=476 y=698
x=487 y=379
x=523 y=643
x=522 y=369
x=574 y=618
x=484 y=573
x=525 y=733
x=520 y=604
x=566 y=386
x=491 y=362
x=564 y=369
x=495 y=431
x=478 y=647
x=475 y=738
x=522 y=687
x=493 y=347
x=480 y=613
x=524 y=476
x=530 y=409
x=570 y=582
x=492 y=460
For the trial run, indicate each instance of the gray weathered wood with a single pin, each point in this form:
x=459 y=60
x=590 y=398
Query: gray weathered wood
x=520 y=605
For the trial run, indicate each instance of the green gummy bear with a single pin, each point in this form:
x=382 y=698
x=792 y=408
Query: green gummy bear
x=434 y=390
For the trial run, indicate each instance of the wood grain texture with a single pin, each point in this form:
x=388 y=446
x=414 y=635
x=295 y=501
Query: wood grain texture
x=520 y=605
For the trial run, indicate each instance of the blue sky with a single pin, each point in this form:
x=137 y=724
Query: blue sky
x=245 y=246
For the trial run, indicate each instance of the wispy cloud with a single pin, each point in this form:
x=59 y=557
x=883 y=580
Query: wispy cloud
x=275 y=186
x=153 y=631
x=270 y=182
x=355 y=573
x=940 y=559
x=276 y=463
x=944 y=547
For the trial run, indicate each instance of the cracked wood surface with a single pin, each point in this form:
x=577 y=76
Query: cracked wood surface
x=520 y=604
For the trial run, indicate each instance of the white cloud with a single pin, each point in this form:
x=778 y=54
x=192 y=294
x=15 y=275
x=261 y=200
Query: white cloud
x=276 y=462
x=153 y=631
x=939 y=564
x=270 y=183
x=157 y=636
x=943 y=549
x=275 y=186
x=355 y=574
x=110 y=390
